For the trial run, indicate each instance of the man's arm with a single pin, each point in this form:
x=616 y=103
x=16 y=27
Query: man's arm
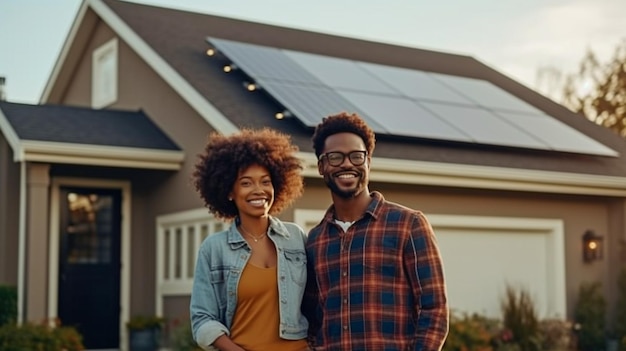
x=424 y=264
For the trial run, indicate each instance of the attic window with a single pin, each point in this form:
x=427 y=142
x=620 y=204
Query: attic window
x=104 y=75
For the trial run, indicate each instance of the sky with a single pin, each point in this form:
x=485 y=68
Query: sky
x=519 y=38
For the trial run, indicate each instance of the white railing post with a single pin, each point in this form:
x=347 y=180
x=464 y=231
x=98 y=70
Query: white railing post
x=185 y=231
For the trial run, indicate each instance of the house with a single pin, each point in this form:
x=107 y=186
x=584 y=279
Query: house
x=99 y=221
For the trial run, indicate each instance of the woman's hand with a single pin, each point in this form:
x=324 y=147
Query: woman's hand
x=224 y=343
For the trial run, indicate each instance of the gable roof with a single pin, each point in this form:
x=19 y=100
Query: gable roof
x=65 y=134
x=173 y=43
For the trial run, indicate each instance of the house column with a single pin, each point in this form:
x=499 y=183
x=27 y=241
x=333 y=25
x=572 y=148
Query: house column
x=37 y=243
x=615 y=255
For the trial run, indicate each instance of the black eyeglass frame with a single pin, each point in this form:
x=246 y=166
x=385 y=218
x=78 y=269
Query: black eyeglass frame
x=343 y=157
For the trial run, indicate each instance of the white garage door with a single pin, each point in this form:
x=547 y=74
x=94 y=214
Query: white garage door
x=483 y=254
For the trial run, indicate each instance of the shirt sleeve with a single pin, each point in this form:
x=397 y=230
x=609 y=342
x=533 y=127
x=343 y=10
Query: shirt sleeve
x=424 y=264
x=204 y=309
x=310 y=299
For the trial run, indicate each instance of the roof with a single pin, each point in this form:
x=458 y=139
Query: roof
x=66 y=124
x=83 y=129
x=174 y=42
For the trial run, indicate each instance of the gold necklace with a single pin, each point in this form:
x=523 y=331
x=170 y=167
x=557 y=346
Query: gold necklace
x=254 y=237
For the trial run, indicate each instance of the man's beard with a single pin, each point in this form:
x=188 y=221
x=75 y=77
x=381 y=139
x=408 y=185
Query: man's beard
x=344 y=194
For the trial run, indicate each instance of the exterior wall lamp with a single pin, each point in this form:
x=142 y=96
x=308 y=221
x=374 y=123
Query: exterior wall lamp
x=592 y=246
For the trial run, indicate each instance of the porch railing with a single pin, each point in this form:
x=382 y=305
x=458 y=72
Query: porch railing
x=178 y=238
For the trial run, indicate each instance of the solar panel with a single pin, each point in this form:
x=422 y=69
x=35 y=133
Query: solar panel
x=340 y=74
x=559 y=136
x=264 y=62
x=485 y=94
x=415 y=84
x=483 y=126
x=403 y=102
x=311 y=103
x=407 y=118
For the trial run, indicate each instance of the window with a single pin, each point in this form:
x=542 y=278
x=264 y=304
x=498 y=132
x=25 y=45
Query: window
x=104 y=75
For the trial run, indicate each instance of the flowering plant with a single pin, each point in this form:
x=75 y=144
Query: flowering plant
x=469 y=333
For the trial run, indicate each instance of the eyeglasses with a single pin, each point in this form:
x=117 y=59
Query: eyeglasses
x=336 y=158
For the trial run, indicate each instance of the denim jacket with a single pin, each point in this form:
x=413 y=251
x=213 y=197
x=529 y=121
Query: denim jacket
x=221 y=260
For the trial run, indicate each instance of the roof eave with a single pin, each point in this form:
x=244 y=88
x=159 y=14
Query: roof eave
x=398 y=171
x=96 y=155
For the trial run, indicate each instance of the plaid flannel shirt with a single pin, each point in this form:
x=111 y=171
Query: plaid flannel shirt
x=378 y=286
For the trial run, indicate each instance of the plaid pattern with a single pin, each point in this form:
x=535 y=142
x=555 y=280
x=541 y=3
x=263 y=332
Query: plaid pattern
x=379 y=286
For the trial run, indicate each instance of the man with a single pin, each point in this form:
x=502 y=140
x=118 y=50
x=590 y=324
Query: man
x=375 y=276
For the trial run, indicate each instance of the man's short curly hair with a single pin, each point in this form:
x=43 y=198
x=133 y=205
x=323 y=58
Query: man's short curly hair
x=343 y=123
x=225 y=156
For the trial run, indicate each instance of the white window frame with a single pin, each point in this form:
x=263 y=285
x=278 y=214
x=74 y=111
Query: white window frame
x=104 y=74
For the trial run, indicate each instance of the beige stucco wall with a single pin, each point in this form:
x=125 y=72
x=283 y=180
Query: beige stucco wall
x=9 y=214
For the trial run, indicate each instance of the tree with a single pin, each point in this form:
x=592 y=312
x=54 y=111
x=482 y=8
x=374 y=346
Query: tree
x=598 y=91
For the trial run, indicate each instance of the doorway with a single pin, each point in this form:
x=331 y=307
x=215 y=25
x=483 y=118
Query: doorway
x=90 y=264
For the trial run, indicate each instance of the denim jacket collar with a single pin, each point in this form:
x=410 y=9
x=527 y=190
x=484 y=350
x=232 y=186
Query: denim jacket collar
x=276 y=228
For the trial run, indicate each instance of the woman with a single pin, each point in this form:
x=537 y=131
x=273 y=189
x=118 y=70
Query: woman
x=250 y=278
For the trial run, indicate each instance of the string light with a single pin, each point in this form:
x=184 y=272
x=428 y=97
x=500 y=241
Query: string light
x=251 y=86
x=229 y=68
x=283 y=114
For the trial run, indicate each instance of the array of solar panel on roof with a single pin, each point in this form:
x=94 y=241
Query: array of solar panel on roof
x=309 y=102
x=403 y=102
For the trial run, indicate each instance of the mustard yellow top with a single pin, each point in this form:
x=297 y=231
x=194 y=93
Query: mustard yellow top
x=256 y=320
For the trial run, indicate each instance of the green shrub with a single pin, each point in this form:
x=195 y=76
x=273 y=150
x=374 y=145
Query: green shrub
x=39 y=337
x=70 y=338
x=589 y=315
x=8 y=304
x=509 y=347
x=503 y=341
x=520 y=318
x=182 y=339
x=556 y=334
x=145 y=322
x=473 y=332
x=469 y=333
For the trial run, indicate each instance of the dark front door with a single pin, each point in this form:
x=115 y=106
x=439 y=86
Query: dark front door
x=89 y=264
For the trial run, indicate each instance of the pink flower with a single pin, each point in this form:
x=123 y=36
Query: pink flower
x=506 y=335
